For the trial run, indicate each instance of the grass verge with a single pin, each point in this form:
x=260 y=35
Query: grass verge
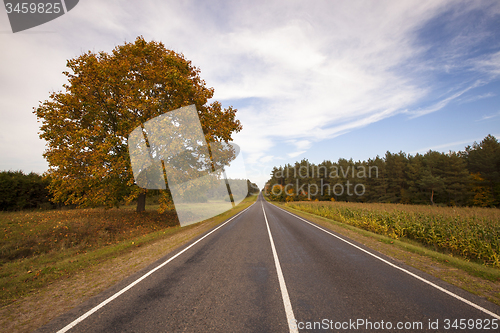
x=60 y=280
x=473 y=277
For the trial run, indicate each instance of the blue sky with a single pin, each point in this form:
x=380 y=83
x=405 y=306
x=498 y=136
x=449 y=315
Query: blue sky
x=317 y=80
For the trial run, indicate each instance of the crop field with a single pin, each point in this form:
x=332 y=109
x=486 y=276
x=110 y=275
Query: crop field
x=471 y=233
x=26 y=234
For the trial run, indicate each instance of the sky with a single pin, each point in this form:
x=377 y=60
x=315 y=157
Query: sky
x=320 y=80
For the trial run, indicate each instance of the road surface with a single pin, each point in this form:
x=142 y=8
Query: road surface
x=266 y=270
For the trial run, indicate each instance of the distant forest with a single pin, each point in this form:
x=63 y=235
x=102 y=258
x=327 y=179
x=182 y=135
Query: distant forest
x=465 y=178
x=20 y=191
x=23 y=191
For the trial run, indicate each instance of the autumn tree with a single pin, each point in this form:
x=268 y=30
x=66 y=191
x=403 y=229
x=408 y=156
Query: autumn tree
x=483 y=161
x=482 y=194
x=86 y=126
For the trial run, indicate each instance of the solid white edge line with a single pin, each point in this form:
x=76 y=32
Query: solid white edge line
x=401 y=269
x=102 y=304
x=284 y=292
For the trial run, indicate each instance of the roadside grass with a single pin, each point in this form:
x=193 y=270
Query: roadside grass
x=474 y=277
x=40 y=247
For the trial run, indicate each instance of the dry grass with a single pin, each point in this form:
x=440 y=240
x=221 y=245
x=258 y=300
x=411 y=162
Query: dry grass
x=26 y=234
x=39 y=247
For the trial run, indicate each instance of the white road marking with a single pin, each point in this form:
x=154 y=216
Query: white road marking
x=97 y=307
x=284 y=293
x=401 y=269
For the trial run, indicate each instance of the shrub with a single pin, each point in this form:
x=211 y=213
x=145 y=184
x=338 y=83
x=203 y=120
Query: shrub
x=23 y=191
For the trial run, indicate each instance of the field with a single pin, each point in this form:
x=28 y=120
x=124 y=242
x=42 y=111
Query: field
x=38 y=247
x=471 y=233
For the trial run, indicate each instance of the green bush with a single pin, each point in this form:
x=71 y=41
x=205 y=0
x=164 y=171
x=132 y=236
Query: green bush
x=20 y=191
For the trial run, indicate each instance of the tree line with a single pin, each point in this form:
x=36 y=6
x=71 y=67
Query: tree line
x=20 y=191
x=466 y=178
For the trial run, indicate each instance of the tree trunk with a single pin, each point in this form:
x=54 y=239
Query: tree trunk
x=141 y=202
x=432 y=197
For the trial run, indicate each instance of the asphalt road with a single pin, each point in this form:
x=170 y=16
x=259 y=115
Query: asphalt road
x=268 y=271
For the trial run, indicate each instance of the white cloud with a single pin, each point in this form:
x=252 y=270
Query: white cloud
x=486 y=117
x=300 y=144
x=267 y=158
x=477 y=97
x=490 y=65
x=317 y=79
x=443 y=102
x=453 y=146
x=310 y=70
x=297 y=153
